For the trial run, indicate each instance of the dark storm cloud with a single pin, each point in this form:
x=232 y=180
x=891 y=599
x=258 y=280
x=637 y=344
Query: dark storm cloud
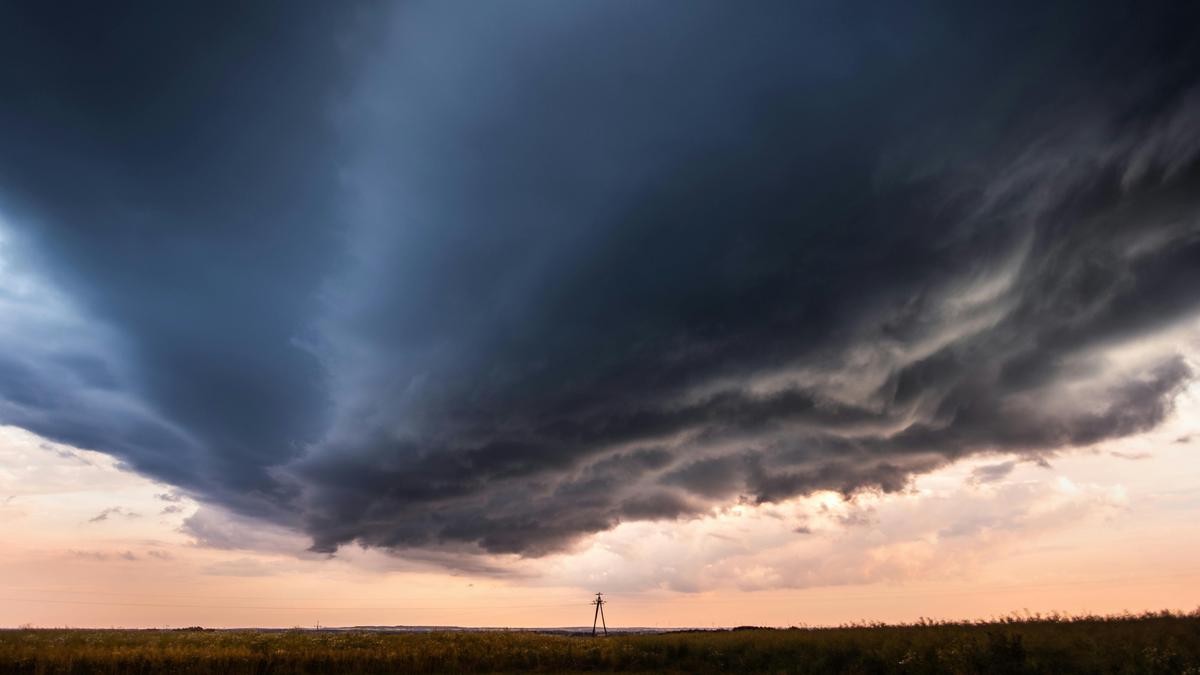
x=170 y=166
x=454 y=278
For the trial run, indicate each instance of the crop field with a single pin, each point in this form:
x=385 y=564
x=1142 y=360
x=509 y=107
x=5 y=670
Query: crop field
x=1151 y=643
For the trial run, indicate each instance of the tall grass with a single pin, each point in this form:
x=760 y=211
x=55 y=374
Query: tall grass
x=1151 y=643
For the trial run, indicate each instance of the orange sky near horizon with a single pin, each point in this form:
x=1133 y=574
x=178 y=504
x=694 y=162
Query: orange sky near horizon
x=1107 y=529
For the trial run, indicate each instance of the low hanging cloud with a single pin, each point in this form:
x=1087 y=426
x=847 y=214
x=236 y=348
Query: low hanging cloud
x=452 y=282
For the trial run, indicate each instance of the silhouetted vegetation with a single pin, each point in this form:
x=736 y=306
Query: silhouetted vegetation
x=1149 y=643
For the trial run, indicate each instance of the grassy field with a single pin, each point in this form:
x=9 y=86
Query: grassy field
x=1159 y=643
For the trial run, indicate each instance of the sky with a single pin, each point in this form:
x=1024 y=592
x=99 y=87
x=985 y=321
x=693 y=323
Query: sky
x=457 y=313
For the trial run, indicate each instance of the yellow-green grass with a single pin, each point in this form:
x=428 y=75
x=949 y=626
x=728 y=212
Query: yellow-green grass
x=1153 y=643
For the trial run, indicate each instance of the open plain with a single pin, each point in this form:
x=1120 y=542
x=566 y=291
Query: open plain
x=1150 y=643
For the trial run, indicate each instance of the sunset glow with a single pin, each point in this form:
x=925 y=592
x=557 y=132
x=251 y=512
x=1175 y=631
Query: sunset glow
x=456 y=314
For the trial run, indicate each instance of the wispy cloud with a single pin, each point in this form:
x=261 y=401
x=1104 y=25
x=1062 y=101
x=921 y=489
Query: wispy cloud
x=113 y=511
x=1131 y=455
x=102 y=556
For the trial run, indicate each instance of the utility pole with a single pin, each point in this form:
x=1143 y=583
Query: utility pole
x=599 y=603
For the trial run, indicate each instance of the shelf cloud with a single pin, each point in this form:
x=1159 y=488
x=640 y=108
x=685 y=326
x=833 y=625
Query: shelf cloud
x=463 y=280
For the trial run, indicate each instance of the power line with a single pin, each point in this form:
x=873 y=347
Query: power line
x=833 y=594
x=280 y=607
x=77 y=591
